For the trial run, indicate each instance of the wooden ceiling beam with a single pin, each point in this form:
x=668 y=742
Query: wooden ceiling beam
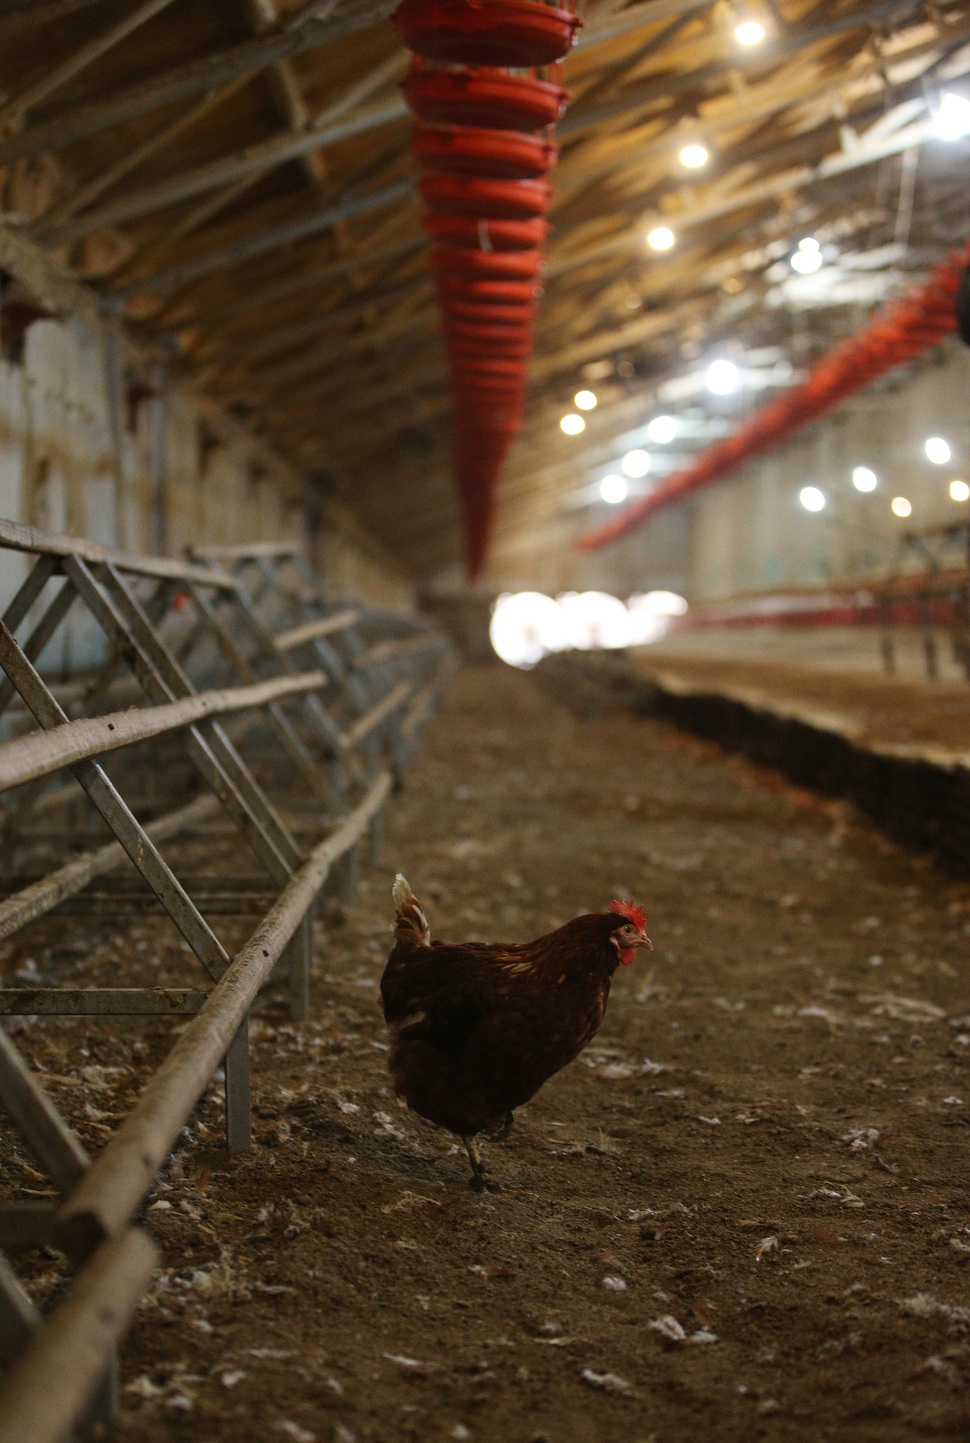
x=252 y=161
x=13 y=111
x=260 y=242
x=181 y=82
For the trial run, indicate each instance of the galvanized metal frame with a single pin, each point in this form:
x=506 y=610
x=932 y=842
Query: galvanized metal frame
x=345 y=725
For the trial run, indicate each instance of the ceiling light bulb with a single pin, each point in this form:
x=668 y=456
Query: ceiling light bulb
x=693 y=156
x=901 y=507
x=635 y=464
x=572 y=424
x=812 y=498
x=585 y=400
x=952 y=119
x=864 y=479
x=937 y=450
x=722 y=378
x=749 y=32
x=661 y=238
x=959 y=491
x=662 y=429
x=613 y=490
x=807 y=260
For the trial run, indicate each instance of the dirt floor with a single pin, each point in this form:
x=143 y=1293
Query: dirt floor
x=744 y=1213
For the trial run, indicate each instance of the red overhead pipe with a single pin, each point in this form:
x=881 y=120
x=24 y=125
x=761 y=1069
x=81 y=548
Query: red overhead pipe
x=485 y=146
x=898 y=333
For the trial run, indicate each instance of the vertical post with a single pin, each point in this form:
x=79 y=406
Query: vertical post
x=114 y=369
x=159 y=467
x=239 y=1124
x=299 y=958
x=349 y=877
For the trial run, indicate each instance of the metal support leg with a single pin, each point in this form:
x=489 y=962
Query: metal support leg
x=299 y=959
x=239 y=1123
x=375 y=840
x=349 y=878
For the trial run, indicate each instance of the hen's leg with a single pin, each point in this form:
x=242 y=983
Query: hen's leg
x=479 y=1178
x=505 y=1129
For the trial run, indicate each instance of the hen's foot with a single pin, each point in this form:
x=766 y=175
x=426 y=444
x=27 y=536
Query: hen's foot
x=479 y=1180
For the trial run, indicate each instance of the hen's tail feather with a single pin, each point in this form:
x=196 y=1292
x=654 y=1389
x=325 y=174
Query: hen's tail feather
x=410 y=922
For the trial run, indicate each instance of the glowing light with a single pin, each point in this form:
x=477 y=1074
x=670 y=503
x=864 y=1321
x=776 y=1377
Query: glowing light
x=695 y=155
x=959 y=491
x=614 y=489
x=585 y=400
x=594 y=619
x=937 y=450
x=750 y=32
x=662 y=429
x=864 y=479
x=952 y=119
x=635 y=464
x=661 y=238
x=723 y=377
x=525 y=627
x=572 y=424
x=808 y=258
x=901 y=507
x=649 y=615
x=812 y=498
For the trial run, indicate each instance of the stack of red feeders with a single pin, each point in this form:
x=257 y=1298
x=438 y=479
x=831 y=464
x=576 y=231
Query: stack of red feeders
x=484 y=142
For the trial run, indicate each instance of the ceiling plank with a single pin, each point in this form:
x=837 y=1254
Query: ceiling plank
x=179 y=83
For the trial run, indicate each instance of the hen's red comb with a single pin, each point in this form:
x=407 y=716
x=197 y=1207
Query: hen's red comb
x=631 y=912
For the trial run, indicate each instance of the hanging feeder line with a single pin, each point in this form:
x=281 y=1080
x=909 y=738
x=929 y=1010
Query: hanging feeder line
x=484 y=142
x=898 y=333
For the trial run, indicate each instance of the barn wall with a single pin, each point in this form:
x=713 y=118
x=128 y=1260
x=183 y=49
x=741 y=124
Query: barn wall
x=172 y=472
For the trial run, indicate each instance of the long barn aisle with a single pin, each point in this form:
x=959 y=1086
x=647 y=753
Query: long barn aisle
x=744 y=1213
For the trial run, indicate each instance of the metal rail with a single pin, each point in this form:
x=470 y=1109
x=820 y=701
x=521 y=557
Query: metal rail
x=26 y=758
x=199 y=643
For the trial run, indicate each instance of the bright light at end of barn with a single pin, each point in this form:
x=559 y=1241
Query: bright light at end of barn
x=586 y=400
x=812 y=498
x=572 y=424
x=527 y=625
x=901 y=507
x=959 y=491
x=864 y=478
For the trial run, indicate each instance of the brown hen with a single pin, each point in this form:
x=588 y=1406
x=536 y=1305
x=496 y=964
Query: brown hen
x=477 y=1028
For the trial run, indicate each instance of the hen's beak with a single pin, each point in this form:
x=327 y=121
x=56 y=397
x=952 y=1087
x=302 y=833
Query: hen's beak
x=644 y=941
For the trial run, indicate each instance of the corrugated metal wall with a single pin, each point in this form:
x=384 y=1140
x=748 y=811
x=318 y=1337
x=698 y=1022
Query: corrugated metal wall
x=165 y=476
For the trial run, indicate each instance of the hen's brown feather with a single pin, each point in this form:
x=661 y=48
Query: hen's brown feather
x=476 y=1028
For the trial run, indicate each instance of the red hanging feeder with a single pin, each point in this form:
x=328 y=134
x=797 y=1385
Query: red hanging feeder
x=472 y=150
x=518 y=33
x=485 y=265
x=466 y=288
x=483 y=97
x=492 y=315
x=487 y=235
x=495 y=199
